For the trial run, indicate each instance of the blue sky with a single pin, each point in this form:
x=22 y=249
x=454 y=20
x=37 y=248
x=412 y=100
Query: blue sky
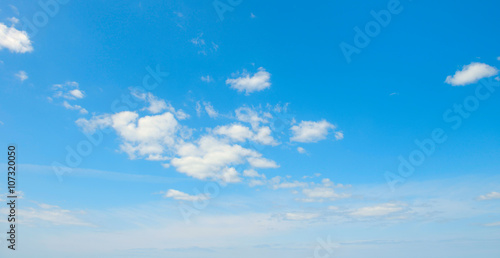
x=248 y=128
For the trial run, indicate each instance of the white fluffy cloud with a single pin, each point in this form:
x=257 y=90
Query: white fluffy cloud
x=14 y=40
x=213 y=158
x=257 y=82
x=235 y=132
x=149 y=136
x=240 y=133
x=489 y=196
x=471 y=73
x=310 y=131
x=178 y=195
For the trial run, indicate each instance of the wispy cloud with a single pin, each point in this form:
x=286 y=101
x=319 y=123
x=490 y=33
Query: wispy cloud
x=489 y=196
x=378 y=210
x=181 y=196
x=22 y=76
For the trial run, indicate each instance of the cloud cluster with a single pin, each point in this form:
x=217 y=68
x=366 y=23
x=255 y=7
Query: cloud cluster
x=215 y=155
x=223 y=153
x=69 y=91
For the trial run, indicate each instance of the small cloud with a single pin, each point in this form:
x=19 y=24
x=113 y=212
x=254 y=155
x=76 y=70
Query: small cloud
x=339 y=136
x=210 y=110
x=82 y=111
x=215 y=47
x=257 y=82
x=301 y=216
x=202 y=45
x=498 y=58
x=198 y=41
x=13 y=20
x=179 y=14
x=378 y=210
x=394 y=94
x=207 y=78
x=252 y=16
x=198 y=109
x=180 y=196
x=22 y=76
x=301 y=150
x=494 y=224
x=489 y=196
x=471 y=73
x=310 y=131
x=14 y=9
x=68 y=90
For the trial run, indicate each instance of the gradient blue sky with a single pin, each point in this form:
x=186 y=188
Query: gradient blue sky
x=293 y=141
